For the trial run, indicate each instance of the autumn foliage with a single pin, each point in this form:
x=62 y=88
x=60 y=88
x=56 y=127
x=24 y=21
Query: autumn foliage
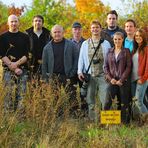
x=89 y=10
x=89 y=6
x=11 y=10
x=3 y=28
x=84 y=11
x=15 y=10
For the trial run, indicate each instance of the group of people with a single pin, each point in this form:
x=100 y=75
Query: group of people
x=114 y=60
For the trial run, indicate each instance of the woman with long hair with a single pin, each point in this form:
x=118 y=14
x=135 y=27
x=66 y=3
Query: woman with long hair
x=117 y=69
x=140 y=69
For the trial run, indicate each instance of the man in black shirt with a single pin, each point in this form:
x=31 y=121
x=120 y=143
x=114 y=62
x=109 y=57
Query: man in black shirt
x=39 y=37
x=112 y=27
x=14 y=47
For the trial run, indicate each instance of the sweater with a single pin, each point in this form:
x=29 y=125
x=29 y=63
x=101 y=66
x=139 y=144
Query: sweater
x=143 y=65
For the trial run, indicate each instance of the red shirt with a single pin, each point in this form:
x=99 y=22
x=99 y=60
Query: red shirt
x=143 y=65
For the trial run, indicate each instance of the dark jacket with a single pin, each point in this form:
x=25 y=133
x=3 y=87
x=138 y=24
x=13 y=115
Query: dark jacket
x=106 y=32
x=70 y=60
x=78 y=44
x=106 y=36
x=37 y=45
x=118 y=29
x=119 y=69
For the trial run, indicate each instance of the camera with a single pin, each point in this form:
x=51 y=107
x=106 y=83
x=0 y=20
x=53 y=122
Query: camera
x=86 y=77
x=83 y=90
x=96 y=61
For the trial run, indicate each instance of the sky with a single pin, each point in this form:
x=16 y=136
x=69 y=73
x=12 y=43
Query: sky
x=114 y=4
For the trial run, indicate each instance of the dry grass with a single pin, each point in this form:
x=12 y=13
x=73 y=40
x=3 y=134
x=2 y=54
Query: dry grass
x=40 y=125
x=1 y=70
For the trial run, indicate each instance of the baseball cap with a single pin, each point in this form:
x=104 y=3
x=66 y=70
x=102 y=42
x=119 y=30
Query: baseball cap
x=76 y=24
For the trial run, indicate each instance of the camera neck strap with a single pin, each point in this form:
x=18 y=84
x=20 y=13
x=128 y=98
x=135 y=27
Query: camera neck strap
x=100 y=42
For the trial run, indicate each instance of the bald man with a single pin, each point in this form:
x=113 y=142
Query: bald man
x=14 y=47
x=60 y=58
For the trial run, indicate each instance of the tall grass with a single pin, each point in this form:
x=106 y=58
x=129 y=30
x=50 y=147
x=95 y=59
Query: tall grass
x=45 y=121
x=1 y=70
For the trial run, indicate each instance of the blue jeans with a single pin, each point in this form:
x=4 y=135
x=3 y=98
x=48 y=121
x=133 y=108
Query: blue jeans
x=133 y=88
x=15 y=88
x=96 y=86
x=140 y=94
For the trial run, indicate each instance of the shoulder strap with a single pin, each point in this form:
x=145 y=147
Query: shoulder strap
x=101 y=41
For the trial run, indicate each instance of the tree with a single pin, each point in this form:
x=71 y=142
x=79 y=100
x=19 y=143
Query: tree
x=3 y=17
x=8 y=11
x=54 y=12
x=59 y=12
x=138 y=12
x=88 y=10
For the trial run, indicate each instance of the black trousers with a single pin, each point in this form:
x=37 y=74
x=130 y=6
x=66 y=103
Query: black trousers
x=122 y=94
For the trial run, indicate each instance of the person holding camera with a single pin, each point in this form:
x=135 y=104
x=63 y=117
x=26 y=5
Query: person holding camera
x=90 y=68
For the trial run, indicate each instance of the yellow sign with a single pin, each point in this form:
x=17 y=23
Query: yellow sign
x=111 y=117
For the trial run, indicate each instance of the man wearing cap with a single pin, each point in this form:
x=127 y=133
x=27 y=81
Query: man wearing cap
x=77 y=34
x=77 y=39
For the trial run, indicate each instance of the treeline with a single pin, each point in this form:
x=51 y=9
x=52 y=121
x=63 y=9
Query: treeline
x=59 y=12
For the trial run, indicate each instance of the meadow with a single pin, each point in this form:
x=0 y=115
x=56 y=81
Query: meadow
x=39 y=124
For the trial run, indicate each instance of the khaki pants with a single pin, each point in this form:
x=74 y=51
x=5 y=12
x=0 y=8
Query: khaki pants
x=96 y=88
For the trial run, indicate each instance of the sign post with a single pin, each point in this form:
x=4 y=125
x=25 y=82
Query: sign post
x=111 y=117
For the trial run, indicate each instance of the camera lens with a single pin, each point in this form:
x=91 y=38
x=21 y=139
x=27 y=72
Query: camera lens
x=83 y=90
x=96 y=61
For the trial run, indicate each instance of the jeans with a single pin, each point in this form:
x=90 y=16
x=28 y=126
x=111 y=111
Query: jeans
x=97 y=85
x=140 y=94
x=133 y=88
x=15 y=89
x=146 y=98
